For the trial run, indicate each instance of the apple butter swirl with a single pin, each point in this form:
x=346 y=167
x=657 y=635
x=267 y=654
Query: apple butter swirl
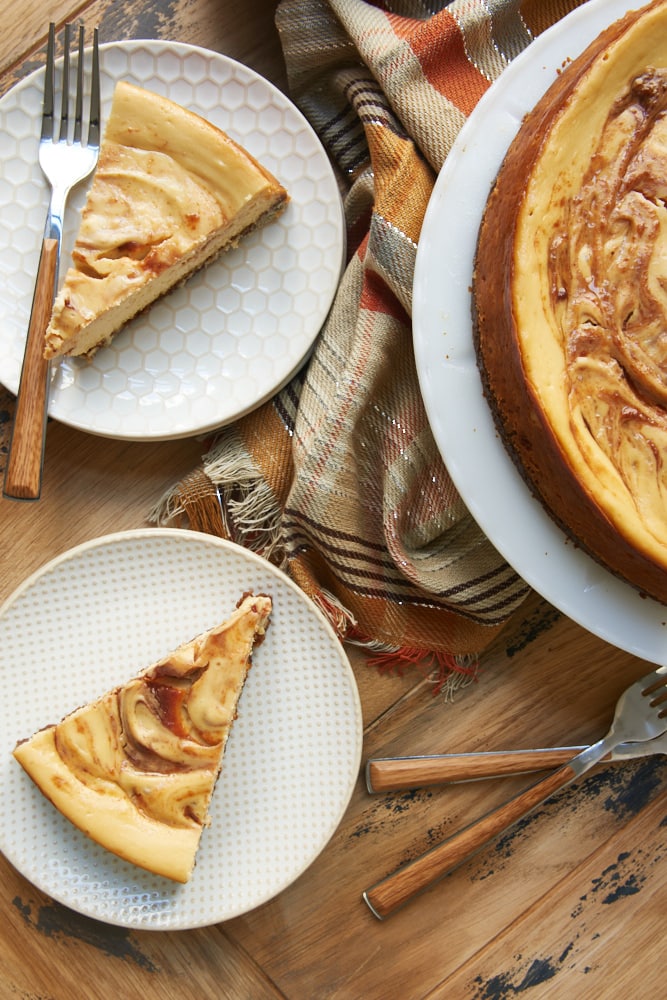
x=608 y=275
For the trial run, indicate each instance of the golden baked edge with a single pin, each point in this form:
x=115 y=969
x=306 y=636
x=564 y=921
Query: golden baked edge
x=524 y=427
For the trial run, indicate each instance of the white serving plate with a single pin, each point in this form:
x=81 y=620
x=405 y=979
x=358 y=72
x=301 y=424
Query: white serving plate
x=462 y=424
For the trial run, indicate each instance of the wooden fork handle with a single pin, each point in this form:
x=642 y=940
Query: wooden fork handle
x=23 y=475
x=390 y=774
x=397 y=889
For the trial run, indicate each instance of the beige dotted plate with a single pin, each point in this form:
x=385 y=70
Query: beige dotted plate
x=231 y=336
x=94 y=617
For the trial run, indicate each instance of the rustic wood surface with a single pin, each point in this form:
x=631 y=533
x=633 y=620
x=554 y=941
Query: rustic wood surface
x=568 y=904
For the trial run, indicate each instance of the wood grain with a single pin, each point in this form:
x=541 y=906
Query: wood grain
x=575 y=940
x=394 y=774
x=23 y=475
x=387 y=896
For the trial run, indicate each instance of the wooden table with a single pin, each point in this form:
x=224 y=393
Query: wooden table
x=569 y=905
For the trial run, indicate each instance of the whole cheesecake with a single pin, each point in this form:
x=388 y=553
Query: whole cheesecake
x=570 y=300
x=169 y=194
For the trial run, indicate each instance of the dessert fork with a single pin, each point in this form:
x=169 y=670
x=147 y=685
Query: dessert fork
x=66 y=159
x=641 y=715
x=394 y=774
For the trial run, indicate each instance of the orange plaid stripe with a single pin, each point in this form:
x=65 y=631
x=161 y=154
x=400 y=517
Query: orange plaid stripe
x=439 y=45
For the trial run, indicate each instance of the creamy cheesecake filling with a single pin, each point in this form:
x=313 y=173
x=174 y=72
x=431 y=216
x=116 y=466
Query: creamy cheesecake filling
x=160 y=737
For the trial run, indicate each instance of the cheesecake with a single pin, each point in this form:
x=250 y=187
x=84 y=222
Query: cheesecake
x=135 y=769
x=170 y=192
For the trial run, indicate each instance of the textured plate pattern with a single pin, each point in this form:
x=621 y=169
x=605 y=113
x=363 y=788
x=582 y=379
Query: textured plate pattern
x=96 y=616
x=231 y=336
x=457 y=410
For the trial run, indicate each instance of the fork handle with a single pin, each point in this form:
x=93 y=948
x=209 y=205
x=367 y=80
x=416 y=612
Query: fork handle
x=412 y=878
x=23 y=475
x=391 y=774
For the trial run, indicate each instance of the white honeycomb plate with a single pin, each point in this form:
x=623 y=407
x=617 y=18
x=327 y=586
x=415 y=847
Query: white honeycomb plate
x=100 y=613
x=236 y=332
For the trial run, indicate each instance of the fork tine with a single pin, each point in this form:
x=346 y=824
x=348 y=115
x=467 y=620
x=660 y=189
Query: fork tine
x=655 y=685
x=95 y=112
x=657 y=681
x=78 y=107
x=660 y=699
x=49 y=85
x=64 y=106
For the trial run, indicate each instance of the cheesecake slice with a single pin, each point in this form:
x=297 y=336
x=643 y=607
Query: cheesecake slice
x=135 y=770
x=169 y=194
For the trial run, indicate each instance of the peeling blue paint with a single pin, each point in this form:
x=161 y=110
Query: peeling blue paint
x=501 y=987
x=56 y=921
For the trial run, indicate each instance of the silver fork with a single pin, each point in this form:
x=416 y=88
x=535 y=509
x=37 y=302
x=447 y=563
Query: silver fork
x=394 y=774
x=66 y=159
x=641 y=714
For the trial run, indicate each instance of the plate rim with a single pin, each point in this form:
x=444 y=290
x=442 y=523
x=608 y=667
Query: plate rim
x=555 y=568
x=186 y=536
x=162 y=48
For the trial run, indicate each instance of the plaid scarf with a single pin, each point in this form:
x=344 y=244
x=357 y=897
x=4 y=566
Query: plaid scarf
x=338 y=478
